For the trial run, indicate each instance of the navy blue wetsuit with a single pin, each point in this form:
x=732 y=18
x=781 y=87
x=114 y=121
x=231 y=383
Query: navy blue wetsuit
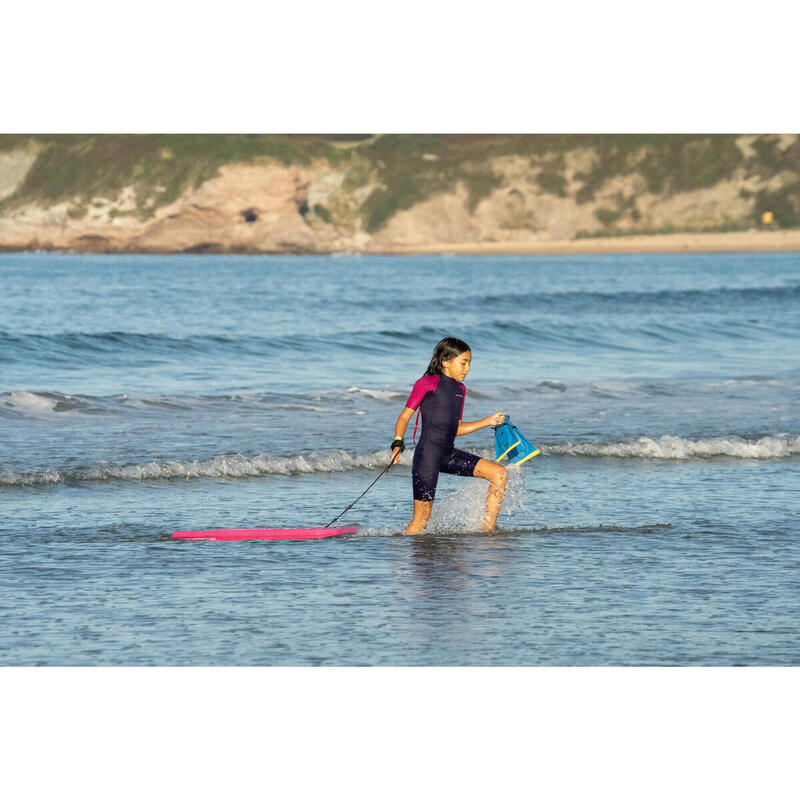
x=441 y=400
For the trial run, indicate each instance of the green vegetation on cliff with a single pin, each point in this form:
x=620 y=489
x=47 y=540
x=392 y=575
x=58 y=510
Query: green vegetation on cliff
x=406 y=169
x=159 y=166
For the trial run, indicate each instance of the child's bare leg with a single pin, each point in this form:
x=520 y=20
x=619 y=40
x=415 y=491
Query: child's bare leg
x=497 y=476
x=422 y=513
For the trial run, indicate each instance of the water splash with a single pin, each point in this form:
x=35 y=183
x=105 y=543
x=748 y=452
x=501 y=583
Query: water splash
x=462 y=511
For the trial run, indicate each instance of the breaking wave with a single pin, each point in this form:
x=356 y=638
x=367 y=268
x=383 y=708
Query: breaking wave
x=37 y=403
x=238 y=466
x=675 y=448
x=45 y=402
x=223 y=466
x=376 y=394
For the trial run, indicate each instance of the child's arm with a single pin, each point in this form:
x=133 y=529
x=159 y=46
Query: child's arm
x=402 y=422
x=469 y=427
x=427 y=383
x=400 y=430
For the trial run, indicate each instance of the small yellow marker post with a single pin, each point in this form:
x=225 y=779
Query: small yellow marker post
x=766 y=218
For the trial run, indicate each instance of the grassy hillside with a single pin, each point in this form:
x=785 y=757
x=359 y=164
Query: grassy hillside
x=159 y=166
x=673 y=164
x=406 y=168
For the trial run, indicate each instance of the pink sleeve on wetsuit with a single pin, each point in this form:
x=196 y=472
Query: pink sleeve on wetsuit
x=427 y=383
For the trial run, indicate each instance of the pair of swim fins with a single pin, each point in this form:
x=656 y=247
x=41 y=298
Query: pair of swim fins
x=508 y=441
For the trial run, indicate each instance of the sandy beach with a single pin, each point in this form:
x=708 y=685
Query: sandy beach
x=739 y=241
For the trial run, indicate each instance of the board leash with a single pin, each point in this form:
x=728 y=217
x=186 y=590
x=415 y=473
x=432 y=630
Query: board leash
x=361 y=495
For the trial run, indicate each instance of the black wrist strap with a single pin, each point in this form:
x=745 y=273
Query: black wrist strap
x=398 y=443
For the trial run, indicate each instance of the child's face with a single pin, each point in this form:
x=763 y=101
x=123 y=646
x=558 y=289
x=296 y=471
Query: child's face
x=458 y=367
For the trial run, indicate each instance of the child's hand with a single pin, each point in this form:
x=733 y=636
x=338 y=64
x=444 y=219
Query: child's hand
x=397 y=447
x=497 y=419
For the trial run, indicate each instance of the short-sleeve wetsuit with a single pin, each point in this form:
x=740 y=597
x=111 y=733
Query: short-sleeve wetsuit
x=441 y=400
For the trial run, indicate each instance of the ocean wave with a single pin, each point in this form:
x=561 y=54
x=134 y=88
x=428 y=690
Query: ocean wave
x=683 y=299
x=108 y=347
x=30 y=402
x=66 y=344
x=37 y=402
x=376 y=394
x=223 y=466
x=624 y=322
x=548 y=299
x=105 y=346
x=238 y=466
x=674 y=448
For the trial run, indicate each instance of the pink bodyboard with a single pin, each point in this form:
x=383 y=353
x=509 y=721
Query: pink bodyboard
x=223 y=535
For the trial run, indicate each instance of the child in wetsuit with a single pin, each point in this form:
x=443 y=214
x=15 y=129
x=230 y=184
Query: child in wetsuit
x=440 y=395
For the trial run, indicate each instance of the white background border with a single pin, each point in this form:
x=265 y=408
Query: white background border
x=413 y=67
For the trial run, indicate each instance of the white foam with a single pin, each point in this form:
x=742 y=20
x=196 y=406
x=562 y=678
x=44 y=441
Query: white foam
x=376 y=394
x=460 y=510
x=30 y=401
x=675 y=448
x=228 y=466
x=613 y=387
x=747 y=382
x=302 y=407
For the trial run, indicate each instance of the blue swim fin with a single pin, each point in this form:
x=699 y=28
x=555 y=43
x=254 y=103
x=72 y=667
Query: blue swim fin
x=523 y=451
x=504 y=439
x=508 y=441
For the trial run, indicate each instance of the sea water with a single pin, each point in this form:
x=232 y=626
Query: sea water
x=140 y=395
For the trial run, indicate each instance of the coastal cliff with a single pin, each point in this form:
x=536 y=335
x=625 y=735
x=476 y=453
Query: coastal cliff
x=389 y=193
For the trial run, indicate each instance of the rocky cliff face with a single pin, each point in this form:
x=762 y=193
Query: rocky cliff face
x=368 y=202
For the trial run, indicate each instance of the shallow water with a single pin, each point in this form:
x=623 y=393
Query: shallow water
x=141 y=395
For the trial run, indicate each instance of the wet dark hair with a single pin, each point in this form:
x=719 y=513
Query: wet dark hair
x=446 y=349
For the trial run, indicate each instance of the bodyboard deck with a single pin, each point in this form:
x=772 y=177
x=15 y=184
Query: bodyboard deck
x=225 y=535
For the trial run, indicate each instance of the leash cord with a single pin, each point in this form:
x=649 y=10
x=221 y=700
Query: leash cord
x=361 y=495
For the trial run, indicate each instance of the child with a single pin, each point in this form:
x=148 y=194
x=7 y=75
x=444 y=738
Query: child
x=440 y=395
